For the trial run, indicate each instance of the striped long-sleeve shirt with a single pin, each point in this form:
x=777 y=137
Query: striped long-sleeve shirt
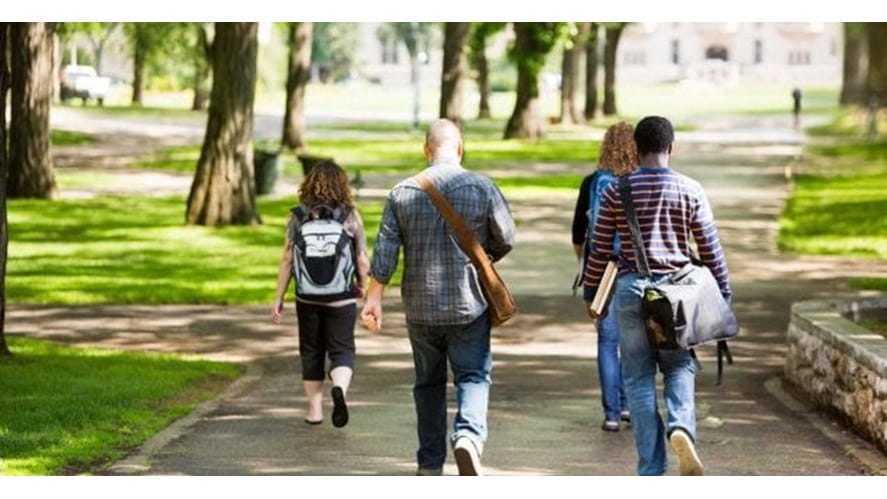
x=670 y=208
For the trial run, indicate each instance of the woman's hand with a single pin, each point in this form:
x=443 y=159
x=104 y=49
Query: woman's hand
x=277 y=311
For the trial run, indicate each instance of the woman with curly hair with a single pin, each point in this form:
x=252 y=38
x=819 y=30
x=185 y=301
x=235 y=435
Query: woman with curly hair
x=325 y=314
x=618 y=157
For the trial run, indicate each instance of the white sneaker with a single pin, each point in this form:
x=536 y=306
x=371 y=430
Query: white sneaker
x=467 y=458
x=688 y=460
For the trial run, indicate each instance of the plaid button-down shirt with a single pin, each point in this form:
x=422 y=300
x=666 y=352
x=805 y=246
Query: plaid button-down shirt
x=440 y=285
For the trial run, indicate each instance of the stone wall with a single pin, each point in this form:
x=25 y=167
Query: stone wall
x=840 y=365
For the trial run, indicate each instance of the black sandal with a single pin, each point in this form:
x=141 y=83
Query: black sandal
x=340 y=408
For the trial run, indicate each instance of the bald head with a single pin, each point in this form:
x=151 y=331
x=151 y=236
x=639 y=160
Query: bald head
x=443 y=142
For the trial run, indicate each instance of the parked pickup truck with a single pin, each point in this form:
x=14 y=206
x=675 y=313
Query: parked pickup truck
x=82 y=82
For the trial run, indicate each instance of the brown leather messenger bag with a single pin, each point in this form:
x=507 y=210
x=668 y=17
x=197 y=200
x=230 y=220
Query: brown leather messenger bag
x=500 y=303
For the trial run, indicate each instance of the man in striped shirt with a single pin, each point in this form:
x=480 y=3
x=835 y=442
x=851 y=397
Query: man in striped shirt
x=670 y=209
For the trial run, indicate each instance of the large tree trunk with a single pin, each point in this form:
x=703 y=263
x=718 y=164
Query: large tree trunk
x=570 y=66
x=4 y=172
x=591 y=64
x=224 y=187
x=30 y=159
x=611 y=44
x=299 y=70
x=877 y=77
x=140 y=52
x=201 y=70
x=855 y=64
x=482 y=66
x=526 y=120
x=455 y=66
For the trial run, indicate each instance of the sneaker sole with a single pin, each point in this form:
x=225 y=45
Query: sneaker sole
x=340 y=408
x=465 y=461
x=688 y=460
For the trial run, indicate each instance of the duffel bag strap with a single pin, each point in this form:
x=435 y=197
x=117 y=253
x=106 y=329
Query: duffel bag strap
x=631 y=219
x=723 y=352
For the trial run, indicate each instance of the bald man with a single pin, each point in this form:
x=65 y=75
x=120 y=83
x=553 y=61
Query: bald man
x=445 y=309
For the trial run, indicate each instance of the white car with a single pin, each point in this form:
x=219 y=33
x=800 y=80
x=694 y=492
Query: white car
x=82 y=82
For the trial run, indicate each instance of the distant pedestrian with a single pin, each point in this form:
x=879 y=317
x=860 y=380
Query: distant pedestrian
x=796 y=106
x=326 y=253
x=670 y=208
x=618 y=156
x=446 y=312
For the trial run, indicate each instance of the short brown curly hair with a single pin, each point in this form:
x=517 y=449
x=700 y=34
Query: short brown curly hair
x=619 y=153
x=326 y=183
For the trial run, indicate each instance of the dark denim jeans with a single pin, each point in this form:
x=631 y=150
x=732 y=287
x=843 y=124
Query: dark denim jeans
x=639 y=363
x=609 y=366
x=467 y=347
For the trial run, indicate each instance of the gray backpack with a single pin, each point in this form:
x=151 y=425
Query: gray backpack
x=323 y=254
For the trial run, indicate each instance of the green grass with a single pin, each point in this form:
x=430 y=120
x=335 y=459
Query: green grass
x=848 y=122
x=875 y=325
x=562 y=182
x=400 y=155
x=837 y=215
x=839 y=208
x=875 y=283
x=70 y=410
x=854 y=151
x=137 y=250
x=70 y=138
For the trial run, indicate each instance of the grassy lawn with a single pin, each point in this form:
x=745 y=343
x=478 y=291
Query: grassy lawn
x=875 y=325
x=837 y=215
x=399 y=154
x=128 y=250
x=70 y=410
x=70 y=138
x=838 y=206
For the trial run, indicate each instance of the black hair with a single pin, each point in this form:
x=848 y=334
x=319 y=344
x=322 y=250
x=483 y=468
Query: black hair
x=653 y=135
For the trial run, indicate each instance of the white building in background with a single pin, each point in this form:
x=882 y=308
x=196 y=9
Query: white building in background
x=387 y=61
x=794 y=53
x=727 y=53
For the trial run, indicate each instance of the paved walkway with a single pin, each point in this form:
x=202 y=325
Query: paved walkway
x=545 y=403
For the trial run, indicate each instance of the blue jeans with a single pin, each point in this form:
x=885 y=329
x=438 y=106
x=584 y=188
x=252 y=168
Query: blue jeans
x=609 y=367
x=639 y=364
x=467 y=346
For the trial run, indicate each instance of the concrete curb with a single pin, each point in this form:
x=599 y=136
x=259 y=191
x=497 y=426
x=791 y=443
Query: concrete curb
x=863 y=453
x=138 y=462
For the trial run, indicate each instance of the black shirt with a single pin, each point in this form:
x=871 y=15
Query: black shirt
x=580 y=217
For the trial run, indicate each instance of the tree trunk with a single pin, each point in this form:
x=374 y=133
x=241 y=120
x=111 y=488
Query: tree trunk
x=224 y=187
x=56 y=69
x=298 y=72
x=201 y=87
x=414 y=81
x=610 y=46
x=483 y=84
x=591 y=64
x=98 y=52
x=526 y=120
x=855 y=64
x=138 y=67
x=877 y=77
x=570 y=66
x=4 y=172
x=30 y=159
x=201 y=70
x=455 y=66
